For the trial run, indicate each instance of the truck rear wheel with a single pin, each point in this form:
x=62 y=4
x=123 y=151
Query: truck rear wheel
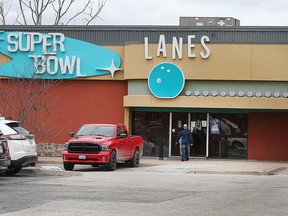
x=112 y=162
x=68 y=166
x=134 y=162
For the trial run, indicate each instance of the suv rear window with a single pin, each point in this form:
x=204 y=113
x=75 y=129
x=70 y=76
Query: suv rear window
x=18 y=128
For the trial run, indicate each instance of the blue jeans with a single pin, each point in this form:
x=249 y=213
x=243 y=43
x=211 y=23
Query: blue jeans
x=185 y=151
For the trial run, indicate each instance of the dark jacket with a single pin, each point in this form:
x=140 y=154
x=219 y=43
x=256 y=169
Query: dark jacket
x=186 y=136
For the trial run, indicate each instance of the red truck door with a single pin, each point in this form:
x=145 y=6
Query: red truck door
x=119 y=144
x=122 y=144
x=125 y=143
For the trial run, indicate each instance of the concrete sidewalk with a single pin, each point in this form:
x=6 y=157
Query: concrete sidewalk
x=201 y=166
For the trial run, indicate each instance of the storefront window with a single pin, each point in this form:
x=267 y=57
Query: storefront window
x=227 y=133
x=154 y=128
x=228 y=136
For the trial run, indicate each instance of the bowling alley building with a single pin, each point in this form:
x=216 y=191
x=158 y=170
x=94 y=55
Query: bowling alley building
x=229 y=84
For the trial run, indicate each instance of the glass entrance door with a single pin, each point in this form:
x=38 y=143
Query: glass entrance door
x=198 y=125
x=178 y=120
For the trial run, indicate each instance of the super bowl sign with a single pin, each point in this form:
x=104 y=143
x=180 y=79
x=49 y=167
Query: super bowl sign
x=54 y=56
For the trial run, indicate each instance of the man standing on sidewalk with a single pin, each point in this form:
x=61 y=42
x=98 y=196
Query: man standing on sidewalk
x=187 y=139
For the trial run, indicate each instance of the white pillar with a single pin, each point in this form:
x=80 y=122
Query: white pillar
x=207 y=136
x=170 y=133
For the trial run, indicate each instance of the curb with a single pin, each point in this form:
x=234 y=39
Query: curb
x=229 y=172
x=43 y=172
x=273 y=171
x=59 y=161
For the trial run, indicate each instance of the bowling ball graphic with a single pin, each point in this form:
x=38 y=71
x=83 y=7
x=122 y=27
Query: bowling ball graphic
x=166 y=80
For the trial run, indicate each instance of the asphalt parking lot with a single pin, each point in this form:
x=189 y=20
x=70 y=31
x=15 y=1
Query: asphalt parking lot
x=157 y=187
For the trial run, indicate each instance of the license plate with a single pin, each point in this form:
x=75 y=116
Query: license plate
x=82 y=157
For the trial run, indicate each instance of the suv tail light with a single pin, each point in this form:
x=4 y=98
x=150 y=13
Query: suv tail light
x=7 y=148
x=16 y=137
x=7 y=153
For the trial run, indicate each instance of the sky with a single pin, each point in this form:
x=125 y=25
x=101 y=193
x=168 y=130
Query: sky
x=167 y=12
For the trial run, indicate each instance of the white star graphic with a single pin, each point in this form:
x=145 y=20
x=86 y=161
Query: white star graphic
x=112 y=69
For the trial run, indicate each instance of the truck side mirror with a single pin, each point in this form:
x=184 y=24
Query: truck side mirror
x=71 y=134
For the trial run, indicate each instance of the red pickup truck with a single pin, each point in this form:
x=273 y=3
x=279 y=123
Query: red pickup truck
x=102 y=144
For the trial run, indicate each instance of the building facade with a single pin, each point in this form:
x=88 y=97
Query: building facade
x=229 y=84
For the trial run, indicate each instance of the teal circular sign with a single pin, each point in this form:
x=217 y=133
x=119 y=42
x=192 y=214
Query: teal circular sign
x=166 y=80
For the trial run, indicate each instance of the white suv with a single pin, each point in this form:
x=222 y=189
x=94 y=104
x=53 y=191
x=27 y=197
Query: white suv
x=21 y=144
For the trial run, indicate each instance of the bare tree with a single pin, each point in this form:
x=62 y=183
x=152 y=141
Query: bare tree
x=27 y=97
x=56 y=12
x=4 y=9
x=27 y=101
x=87 y=10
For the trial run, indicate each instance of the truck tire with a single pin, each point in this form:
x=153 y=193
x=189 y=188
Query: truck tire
x=112 y=162
x=134 y=162
x=12 y=171
x=68 y=166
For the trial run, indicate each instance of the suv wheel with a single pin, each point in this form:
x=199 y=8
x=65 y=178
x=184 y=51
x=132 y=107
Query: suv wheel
x=12 y=171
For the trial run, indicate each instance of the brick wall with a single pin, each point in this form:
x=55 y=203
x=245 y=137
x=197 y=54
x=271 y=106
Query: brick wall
x=268 y=136
x=71 y=103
